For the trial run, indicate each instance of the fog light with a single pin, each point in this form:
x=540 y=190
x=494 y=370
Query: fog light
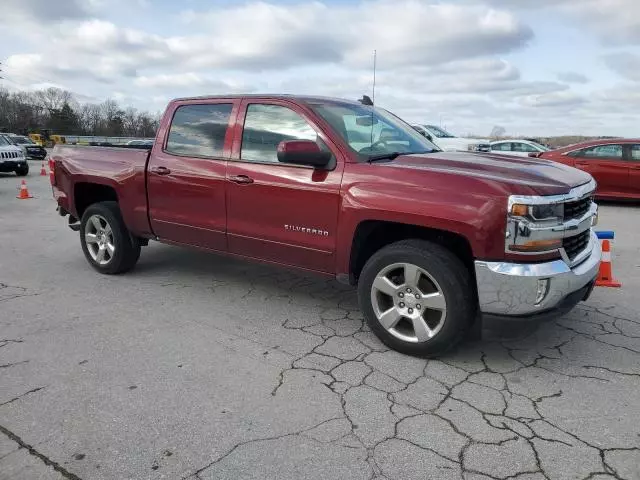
x=543 y=289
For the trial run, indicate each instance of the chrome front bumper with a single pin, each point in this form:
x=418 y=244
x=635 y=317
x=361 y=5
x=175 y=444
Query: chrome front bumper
x=516 y=289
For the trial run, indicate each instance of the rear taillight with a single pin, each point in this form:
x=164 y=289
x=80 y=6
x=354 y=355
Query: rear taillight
x=52 y=171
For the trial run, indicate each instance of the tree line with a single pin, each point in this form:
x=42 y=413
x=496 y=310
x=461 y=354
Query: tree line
x=58 y=111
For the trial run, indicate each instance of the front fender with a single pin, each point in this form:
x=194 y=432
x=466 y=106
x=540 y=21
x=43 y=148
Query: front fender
x=479 y=218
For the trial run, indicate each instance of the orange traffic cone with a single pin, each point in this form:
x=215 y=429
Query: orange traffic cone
x=24 y=192
x=43 y=171
x=605 y=275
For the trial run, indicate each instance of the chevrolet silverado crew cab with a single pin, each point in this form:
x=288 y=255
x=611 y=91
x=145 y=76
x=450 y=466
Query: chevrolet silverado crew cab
x=435 y=241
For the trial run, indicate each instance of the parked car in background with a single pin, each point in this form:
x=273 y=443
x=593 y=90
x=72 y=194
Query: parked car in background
x=31 y=149
x=518 y=148
x=614 y=163
x=12 y=158
x=449 y=142
x=434 y=240
x=140 y=143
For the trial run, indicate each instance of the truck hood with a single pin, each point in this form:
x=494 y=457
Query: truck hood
x=543 y=176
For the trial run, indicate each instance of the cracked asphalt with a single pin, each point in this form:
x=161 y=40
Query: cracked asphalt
x=196 y=366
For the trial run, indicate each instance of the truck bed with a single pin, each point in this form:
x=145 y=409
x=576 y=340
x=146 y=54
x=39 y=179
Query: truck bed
x=121 y=168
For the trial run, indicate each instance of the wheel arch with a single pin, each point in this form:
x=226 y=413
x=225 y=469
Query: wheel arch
x=372 y=235
x=88 y=193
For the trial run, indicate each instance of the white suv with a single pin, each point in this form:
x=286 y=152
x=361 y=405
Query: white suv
x=12 y=158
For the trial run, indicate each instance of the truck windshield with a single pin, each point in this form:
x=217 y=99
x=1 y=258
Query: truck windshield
x=439 y=132
x=372 y=132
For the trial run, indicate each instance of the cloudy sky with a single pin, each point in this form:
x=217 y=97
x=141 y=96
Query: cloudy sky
x=535 y=67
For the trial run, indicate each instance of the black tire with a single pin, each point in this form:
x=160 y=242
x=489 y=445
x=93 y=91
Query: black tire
x=453 y=279
x=23 y=171
x=126 y=247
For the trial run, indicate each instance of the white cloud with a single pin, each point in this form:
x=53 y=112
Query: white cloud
x=626 y=64
x=554 y=99
x=261 y=36
x=449 y=58
x=572 y=77
x=614 y=21
x=191 y=80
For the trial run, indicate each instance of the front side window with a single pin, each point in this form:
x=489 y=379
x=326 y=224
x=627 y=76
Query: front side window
x=371 y=131
x=22 y=141
x=635 y=153
x=265 y=126
x=501 y=147
x=199 y=130
x=600 y=151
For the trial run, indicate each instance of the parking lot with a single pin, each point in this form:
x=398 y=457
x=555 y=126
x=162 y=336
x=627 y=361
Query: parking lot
x=203 y=367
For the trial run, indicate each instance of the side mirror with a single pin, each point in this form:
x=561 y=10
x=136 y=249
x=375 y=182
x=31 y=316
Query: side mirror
x=535 y=154
x=303 y=152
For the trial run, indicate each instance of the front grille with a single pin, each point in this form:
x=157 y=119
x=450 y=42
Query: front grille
x=8 y=155
x=577 y=209
x=576 y=244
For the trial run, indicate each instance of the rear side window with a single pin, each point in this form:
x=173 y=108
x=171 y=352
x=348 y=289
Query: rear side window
x=635 y=153
x=523 y=147
x=199 y=130
x=265 y=126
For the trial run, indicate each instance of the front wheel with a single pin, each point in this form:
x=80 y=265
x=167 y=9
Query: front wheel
x=105 y=240
x=417 y=297
x=23 y=170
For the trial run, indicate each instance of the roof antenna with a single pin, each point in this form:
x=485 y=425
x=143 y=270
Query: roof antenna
x=373 y=92
x=366 y=99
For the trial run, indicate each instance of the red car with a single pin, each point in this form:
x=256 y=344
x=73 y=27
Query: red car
x=614 y=163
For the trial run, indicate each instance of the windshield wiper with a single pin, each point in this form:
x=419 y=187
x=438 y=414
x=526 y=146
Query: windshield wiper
x=384 y=156
x=394 y=155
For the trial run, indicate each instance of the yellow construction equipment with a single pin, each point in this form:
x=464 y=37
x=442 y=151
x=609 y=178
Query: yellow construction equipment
x=37 y=138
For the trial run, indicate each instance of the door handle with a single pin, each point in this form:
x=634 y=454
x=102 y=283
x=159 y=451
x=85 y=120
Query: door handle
x=241 y=179
x=160 y=170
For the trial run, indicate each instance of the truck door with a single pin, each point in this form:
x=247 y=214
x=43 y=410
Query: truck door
x=278 y=212
x=186 y=174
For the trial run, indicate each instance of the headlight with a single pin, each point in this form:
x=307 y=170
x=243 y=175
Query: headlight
x=539 y=213
x=532 y=226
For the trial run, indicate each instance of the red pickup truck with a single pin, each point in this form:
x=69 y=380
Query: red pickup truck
x=435 y=241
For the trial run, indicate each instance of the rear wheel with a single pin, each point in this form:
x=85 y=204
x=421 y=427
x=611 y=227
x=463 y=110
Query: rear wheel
x=417 y=297
x=105 y=240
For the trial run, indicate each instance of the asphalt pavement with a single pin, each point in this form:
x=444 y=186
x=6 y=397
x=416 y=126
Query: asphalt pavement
x=202 y=367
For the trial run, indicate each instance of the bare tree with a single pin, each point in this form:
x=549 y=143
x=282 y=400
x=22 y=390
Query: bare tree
x=497 y=132
x=55 y=109
x=53 y=98
x=131 y=122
